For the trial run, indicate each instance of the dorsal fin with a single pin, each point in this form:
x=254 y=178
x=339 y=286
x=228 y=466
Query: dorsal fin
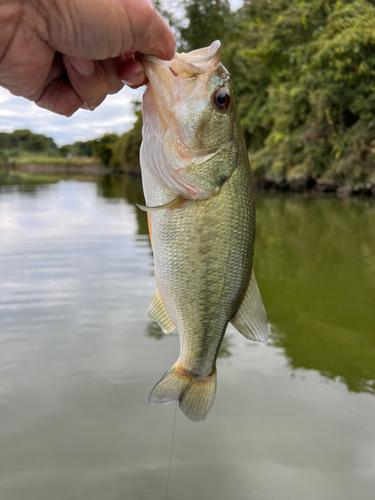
x=251 y=318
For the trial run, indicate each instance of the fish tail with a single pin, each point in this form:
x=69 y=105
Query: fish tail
x=195 y=394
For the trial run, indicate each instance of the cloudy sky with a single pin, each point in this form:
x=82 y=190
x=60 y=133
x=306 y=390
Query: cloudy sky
x=114 y=115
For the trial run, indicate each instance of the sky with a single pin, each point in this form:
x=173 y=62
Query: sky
x=114 y=115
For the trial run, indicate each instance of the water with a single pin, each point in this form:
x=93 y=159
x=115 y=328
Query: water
x=293 y=418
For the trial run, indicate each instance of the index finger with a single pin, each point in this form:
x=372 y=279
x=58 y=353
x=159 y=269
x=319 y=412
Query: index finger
x=151 y=33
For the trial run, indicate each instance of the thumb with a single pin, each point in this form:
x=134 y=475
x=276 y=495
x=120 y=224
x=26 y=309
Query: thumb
x=102 y=29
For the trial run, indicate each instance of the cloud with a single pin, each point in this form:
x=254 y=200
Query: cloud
x=114 y=115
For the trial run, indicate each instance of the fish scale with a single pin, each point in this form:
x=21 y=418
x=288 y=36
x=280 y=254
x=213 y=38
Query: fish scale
x=203 y=243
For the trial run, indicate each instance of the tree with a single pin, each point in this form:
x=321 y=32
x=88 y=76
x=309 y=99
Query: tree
x=103 y=147
x=25 y=140
x=303 y=74
x=208 y=20
x=126 y=149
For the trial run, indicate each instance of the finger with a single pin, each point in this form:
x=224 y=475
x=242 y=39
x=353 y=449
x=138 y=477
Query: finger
x=25 y=66
x=151 y=33
x=109 y=29
x=131 y=71
x=59 y=97
x=88 y=79
x=111 y=68
x=57 y=71
x=57 y=94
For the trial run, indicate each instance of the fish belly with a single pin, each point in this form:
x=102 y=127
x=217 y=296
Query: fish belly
x=203 y=259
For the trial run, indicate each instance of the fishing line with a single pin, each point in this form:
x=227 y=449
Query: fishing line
x=170 y=457
x=174 y=428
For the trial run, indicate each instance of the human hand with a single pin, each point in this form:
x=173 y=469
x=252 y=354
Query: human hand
x=70 y=54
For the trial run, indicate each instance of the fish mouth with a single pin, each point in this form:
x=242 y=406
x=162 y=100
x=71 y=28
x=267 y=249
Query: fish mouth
x=167 y=77
x=191 y=63
x=167 y=84
x=173 y=85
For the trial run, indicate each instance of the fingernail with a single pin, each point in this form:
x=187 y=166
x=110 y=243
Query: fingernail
x=86 y=107
x=135 y=79
x=84 y=67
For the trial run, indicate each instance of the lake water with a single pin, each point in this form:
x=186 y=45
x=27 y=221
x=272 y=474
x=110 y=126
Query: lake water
x=293 y=419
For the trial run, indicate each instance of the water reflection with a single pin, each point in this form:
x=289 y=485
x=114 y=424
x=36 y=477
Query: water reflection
x=315 y=262
x=128 y=188
x=22 y=183
x=153 y=330
x=78 y=358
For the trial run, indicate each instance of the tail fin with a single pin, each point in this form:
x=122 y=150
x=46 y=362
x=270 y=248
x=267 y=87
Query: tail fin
x=195 y=394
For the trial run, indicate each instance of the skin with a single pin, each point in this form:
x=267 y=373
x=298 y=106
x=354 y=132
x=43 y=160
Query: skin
x=70 y=54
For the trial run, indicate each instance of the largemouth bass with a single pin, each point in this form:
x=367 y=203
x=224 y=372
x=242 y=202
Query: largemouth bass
x=197 y=185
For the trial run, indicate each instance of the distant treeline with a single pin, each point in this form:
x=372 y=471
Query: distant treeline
x=111 y=149
x=304 y=79
x=21 y=142
x=12 y=144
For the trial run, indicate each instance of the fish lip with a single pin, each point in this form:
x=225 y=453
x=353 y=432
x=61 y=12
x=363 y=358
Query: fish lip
x=194 y=62
x=201 y=55
x=198 y=55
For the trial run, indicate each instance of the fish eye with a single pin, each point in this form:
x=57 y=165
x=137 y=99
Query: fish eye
x=221 y=98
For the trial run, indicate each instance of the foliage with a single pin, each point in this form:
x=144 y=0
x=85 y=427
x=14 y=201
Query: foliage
x=25 y=140
x=304 y=79
x=103 y=147
x=208 y=20
x=126 y=149
x=79 y=148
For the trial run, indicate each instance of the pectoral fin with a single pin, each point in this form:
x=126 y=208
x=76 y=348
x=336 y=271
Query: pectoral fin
x=251 y=318
x=175 y=203
x=157 y=313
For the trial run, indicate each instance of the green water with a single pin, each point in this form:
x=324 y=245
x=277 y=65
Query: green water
x=293 y=418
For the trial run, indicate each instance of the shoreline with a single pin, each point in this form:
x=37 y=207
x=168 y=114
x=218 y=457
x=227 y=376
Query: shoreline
x=315 y=186
x=282 y=184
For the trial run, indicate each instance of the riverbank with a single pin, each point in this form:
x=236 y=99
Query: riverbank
x=282 y=184
x=315 y=186
x=37 y=168
x=66 y=169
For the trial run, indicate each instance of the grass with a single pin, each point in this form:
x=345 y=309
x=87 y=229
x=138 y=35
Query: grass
x=78 y=161
x=16 y=157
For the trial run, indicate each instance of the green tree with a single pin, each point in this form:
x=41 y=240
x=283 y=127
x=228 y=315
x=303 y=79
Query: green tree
x=126 y=149
x=208 y=20
x=79 y=148
x=103 y=147
x=303 y=73
x=25 y=140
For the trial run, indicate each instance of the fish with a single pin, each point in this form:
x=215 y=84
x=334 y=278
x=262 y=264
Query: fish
x=197 y=184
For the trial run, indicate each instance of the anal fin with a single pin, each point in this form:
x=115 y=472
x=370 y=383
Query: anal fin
x=251 y=318
x=157 y=312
